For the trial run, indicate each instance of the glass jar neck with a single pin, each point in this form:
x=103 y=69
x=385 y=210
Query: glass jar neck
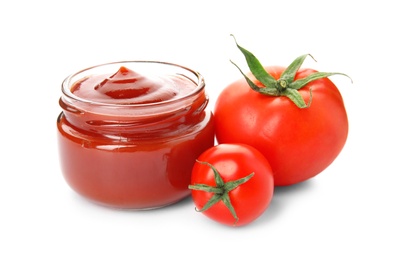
x=126 y=119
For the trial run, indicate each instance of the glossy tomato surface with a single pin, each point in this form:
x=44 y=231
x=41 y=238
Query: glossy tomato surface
x=298 y=143
x=233 y=162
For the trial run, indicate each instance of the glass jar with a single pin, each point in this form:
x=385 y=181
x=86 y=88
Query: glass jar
x=133 y=155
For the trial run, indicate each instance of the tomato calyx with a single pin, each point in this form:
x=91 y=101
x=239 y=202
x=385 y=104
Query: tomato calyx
x=285 y=85
x=220 y=191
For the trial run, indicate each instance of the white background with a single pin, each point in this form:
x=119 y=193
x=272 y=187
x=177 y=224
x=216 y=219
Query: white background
x=346 y=212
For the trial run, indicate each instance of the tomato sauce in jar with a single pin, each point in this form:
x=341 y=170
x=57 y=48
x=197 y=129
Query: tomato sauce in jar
x=130 y=132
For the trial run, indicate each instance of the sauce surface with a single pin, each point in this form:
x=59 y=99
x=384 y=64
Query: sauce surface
x=129 y=87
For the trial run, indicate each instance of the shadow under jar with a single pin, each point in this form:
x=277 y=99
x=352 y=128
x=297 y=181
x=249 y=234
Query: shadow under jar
x=129 y=132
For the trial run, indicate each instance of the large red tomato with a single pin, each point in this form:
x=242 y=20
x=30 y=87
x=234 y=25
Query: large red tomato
x=298 y=142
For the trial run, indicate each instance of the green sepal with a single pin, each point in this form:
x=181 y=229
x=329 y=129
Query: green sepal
x=213 y=200
x=296 y=97
x=290 y=72
x=229 y=186
x=205 y=187
x=226 y=200
x=267 y=90
x=312 y=77
x=256 y=68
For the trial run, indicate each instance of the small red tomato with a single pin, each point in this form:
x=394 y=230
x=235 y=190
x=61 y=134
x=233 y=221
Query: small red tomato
x=232 y=184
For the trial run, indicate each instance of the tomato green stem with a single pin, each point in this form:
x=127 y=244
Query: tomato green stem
x=220 y=191
x=285 y=85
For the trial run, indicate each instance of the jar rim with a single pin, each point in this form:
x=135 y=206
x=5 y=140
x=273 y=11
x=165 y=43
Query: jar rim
x=199 y=81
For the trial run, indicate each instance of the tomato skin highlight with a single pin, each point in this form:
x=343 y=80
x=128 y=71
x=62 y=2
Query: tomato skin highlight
x=298 y=143
x=234 y=161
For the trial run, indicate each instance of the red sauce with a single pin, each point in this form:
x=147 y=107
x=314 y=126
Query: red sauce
x=129 y=87
x=129 y=140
